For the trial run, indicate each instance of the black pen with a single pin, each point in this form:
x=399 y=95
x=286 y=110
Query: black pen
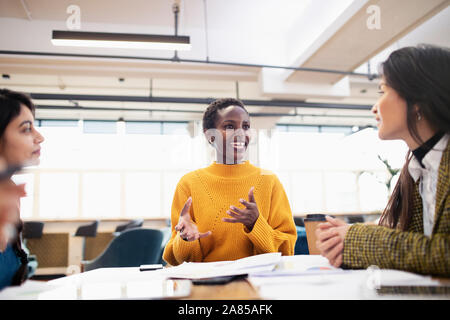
x=149 y=267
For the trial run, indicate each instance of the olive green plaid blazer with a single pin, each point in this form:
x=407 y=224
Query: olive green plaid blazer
x=411 y=250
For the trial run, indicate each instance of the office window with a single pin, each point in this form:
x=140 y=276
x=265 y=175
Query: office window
x=101 y=195
x=108 y=127
x=156 y=152
x=177 y=128
x=101 y=151
x=134 y=172
x=62 y=147
x=58 y=195
x=110 y=169
x=299 y=128
x=27 y=202
x=296 y=128
x=336 y=129
x=143 y=194
x=307 y=192
x=58 y=123
x=373 y=191
x=331 y=170
x=340 y=192
x=140 y=127
x=305 y=150
x=170 y=181
x=281 y=128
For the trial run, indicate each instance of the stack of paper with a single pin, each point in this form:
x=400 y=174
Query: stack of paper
x=312 y=277
x=203 y=270
x=301 y=265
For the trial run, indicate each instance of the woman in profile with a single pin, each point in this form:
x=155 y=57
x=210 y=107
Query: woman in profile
x=230 y=209
x=19 y=146
x=414 y=230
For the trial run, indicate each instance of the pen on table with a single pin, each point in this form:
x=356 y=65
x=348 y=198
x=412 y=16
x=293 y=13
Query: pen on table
x=150 y=267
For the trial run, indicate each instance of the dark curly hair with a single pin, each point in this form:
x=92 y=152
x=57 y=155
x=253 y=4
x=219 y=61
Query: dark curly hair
x=209 y=117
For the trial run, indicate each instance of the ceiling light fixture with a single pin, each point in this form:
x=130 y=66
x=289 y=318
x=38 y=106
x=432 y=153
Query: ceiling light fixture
x=120 y=40
x=123 y=40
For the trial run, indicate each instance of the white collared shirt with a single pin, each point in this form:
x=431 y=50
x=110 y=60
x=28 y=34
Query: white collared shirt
x=428 y=181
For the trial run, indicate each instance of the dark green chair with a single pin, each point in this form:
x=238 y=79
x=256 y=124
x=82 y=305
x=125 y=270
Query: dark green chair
x=167 y=232
x=130 y=248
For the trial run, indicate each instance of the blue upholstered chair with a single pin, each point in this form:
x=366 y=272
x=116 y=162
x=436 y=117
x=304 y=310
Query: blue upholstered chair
x=131 y=248
x=167 y=232
x=301 y=246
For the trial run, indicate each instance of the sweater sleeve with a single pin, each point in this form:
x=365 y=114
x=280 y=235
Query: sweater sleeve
x=177 y=250
x=277 y=232
x=366 y=245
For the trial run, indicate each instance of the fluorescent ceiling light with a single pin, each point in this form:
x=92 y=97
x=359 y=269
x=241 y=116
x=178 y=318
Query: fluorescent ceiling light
x=120 y=40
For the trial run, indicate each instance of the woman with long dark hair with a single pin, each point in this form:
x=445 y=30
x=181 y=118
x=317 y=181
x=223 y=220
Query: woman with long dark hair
x=414 y=229
x=19 y=146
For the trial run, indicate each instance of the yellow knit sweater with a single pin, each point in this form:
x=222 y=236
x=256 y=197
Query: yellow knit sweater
x=213 y=190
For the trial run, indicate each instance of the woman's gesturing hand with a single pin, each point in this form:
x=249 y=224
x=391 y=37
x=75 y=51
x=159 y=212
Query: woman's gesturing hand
x=247 y=216
x=187 y=228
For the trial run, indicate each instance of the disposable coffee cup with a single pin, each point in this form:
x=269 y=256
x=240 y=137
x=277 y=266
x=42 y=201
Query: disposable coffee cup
x=311 y=222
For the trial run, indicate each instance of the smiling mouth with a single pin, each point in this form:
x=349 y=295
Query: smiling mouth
x=238 y=147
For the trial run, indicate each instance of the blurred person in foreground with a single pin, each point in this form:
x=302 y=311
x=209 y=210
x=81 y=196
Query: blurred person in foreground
x=19 y=146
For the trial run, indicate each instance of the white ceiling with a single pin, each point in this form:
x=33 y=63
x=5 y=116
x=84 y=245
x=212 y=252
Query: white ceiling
x=294 y=33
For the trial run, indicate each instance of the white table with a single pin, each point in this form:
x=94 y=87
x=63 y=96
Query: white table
x=303 y=277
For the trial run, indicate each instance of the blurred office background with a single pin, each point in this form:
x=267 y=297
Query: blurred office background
x=123 y=125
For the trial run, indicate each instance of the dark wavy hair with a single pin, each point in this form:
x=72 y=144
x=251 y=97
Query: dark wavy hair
x=10 y=103
x=210 y=115
x=421 y=76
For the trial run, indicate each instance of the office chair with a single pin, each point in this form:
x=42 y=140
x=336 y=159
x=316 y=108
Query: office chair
x=31 y=230
x=84 y=231
x=167 y=232
x=299 y=221
x=137 y=223
x=301 y=245
x=89 y=230
x=131 y=248
x=355 y=219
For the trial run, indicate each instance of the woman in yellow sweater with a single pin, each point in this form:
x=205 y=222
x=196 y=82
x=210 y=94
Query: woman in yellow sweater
x=211 y=220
